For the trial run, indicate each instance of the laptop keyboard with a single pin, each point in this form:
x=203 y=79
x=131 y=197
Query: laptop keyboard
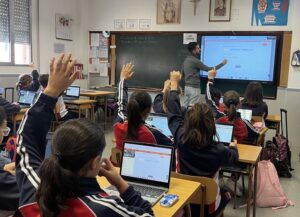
x=146 y=191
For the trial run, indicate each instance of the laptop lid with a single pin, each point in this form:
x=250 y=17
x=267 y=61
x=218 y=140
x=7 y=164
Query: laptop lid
x=224 y=133
x=73 y=91
x=140 y=163
x=159 y=121
x=246 y=114
x=26 y=97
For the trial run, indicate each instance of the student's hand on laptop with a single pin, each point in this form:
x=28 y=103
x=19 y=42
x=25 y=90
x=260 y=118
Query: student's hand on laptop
x=212 y=74
x=113 y=177
x=60 y=76
x=11 y=168
x=126 y=71
x=233 y=144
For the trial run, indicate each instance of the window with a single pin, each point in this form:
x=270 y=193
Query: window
x=15 y=32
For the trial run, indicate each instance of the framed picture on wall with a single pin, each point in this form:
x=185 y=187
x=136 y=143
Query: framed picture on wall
x=168 y=11
x=219 y=10
x=63 y=27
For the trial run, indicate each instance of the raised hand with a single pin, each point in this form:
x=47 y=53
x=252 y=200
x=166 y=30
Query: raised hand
x=175 y=76
x=126 y=71
x=60 y=76
x=167 y=84
x=224 y=61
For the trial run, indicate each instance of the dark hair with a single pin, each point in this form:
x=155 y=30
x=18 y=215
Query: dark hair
x=75 y=143
x=216 y=94
x=231 y=101
x=23 y=80
x=192 y=46
x=139 y=101
x=43 y=80
x=199 y=126
x=253 y=94
x=3 y=115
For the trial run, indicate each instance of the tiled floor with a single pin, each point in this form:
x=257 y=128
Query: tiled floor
x=290 y=186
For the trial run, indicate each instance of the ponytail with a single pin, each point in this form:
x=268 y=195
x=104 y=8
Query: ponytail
x=57 y=186
x=231 y=101
x=134 y=119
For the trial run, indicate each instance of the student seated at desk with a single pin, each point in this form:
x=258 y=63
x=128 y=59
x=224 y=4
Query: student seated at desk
x=10 y=108
x=9 y=191
x=253 y=100
x=160 y=100
x=29 y=82
x=131 y=116
x=199 y=154
x=61 y=112
x=65 y=183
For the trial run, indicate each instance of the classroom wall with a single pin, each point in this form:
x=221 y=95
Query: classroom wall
x=102 y=13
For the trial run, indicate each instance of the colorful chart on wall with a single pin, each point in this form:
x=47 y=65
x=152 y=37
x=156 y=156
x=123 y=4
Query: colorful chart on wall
x=270 y=12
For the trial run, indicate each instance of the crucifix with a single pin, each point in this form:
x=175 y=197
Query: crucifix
x=195 y=5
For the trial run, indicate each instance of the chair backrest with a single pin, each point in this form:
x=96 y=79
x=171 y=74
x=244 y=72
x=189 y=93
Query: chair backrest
x=209 y=188
x=116 y=156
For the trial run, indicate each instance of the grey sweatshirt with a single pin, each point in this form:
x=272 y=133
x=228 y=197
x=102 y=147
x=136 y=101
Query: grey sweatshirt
x=191 y=67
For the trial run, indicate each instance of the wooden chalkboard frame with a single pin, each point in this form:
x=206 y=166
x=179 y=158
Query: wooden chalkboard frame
x=281 y=69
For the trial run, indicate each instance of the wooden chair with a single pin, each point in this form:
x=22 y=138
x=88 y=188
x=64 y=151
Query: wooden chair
x=116 y=156
x=207 y=194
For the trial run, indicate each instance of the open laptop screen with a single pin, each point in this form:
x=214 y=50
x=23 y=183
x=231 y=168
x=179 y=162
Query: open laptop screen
x=225 y=133
x=73 y=91
x=26 y=97
x=147 y=162
x=160 y=122
x=246 y=114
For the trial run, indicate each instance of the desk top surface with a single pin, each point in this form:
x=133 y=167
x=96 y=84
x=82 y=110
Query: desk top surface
x=183 y=188
x=80 y=101
x=248 y=153
x=274 y=118
x=94 y=93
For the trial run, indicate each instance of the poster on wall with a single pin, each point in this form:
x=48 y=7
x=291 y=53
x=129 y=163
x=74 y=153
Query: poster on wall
x=270 y=12
x=63 y=27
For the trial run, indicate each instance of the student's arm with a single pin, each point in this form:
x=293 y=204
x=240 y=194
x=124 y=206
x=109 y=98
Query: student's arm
x=209 y=101
x=35 y=125
x=9 y=107
x=228 y=155
x=201 y=66
x=158 y=100
x=35 y=81
x=175 y=116
x=126 y=74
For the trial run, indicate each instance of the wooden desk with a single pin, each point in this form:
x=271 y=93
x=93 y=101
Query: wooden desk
x=93 y=94
x=250 y=155
x=17 y=117
x=183 y=188
x=82 y=104
x=273 y=122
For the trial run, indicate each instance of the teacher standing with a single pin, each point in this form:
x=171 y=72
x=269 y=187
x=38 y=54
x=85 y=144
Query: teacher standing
x=191 y=67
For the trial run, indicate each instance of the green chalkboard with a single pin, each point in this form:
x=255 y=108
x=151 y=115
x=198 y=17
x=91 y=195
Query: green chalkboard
x=153 y=55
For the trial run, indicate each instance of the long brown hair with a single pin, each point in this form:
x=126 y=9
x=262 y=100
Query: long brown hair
x=231 y=101
x=253 y=94
x=199 y=126
x=75 y=143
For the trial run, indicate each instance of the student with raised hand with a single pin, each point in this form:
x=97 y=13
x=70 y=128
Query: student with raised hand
x=253 y=100
x=199 y=153
x=131 y=115
x=65 y=183
x=160 y=100
x=29 y=82
x=9 y=191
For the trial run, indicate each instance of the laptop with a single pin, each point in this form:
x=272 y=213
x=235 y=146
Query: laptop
x=246 y=114
x=224 y=133
x=72 y=93
x=26 y=98
x=159 y=121
x=139 y=167
x=48 y=150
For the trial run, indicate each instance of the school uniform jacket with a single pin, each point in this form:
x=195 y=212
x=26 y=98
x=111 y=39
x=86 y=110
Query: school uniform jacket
x=9 y=191
x=91 y=200
x=146 y=133
x=9 y=107
x=194 y=161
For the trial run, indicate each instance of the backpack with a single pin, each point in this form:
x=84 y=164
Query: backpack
x=269 y=191
x=11 y=147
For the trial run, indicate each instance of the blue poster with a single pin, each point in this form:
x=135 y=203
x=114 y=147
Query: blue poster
x=270 y=12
